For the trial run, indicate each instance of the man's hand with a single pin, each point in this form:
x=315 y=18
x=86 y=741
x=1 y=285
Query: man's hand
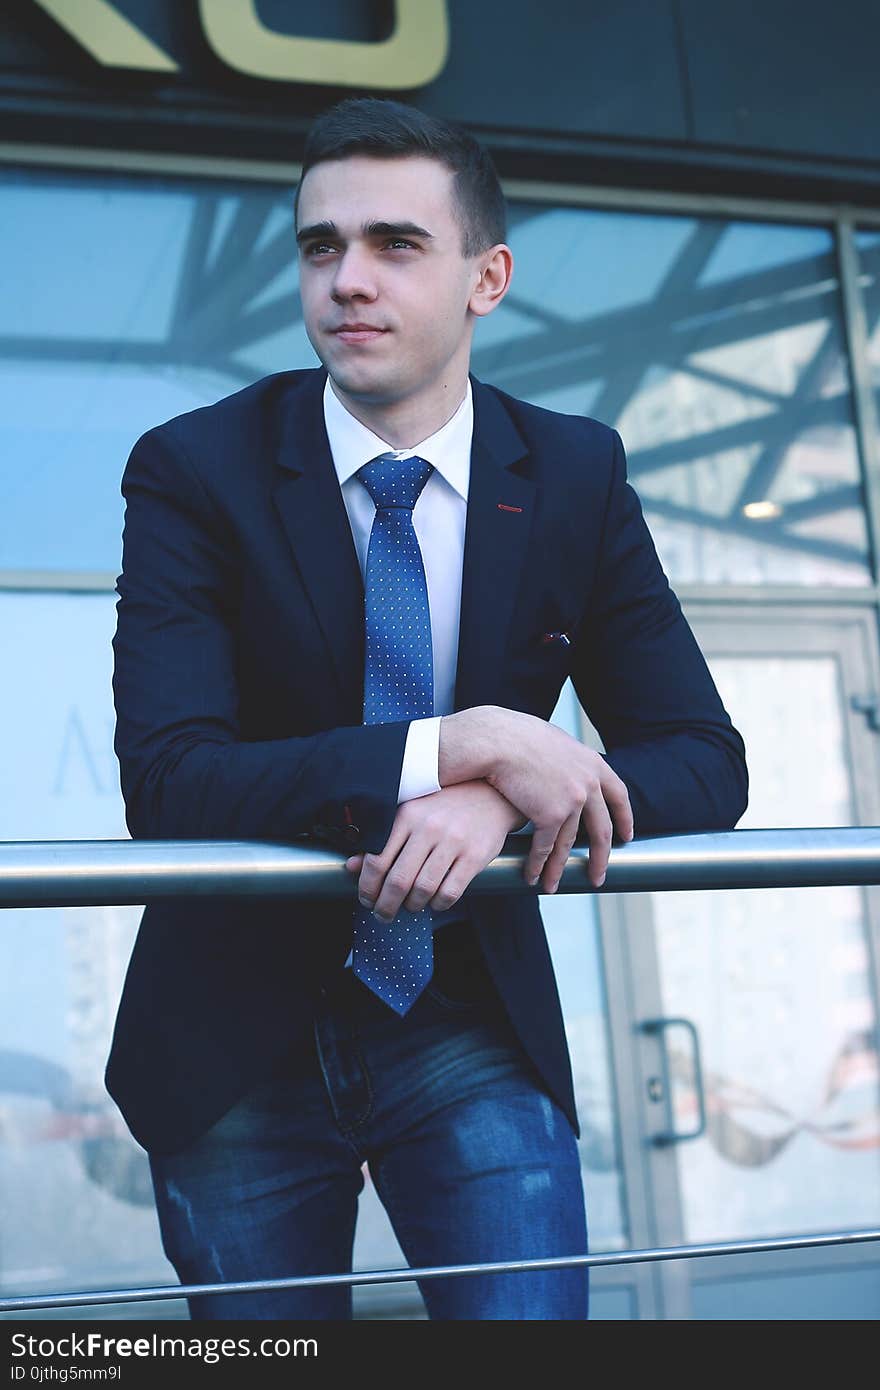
x=558 y=783
x=554 y=780
x=438 y=844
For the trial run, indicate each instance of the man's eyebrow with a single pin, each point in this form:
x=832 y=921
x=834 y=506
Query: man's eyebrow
x=396 y=229
x=316 y=229
x=373 y=229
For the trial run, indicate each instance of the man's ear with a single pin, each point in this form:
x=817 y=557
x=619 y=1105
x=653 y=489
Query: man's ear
x=495 y=269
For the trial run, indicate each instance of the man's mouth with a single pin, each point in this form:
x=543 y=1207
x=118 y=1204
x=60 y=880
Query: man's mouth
x=358 y=332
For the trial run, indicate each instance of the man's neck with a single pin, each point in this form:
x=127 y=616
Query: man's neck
x=406 y=423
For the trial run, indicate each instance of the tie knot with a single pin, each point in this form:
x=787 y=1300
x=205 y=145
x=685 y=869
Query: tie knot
x=395 y=482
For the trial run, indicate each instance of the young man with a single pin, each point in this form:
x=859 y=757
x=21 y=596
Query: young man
x=350 y=597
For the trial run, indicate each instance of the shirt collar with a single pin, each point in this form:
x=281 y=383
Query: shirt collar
x=353 y=444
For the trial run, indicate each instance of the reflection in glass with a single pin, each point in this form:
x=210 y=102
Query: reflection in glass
x=161 y=296
x=716 y=348
x=76 y=1204
x=868 y=245
x=778 y=984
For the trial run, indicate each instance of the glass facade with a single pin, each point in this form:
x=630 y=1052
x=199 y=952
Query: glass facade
x=868 y=247
x=717 y=347
x=75 y=1197
x=160 y=296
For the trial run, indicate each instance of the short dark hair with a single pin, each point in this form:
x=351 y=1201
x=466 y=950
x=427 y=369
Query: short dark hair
x=387 y=129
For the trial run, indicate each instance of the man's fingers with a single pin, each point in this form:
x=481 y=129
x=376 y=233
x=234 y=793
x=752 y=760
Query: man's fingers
x=376 y=866
x=558 y=859
x=461 y=874
x=543 y=840
x=401 y=877
x=617 y=800
x=597 y=824
x=431 y=884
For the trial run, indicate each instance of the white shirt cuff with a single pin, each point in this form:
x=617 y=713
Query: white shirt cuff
x=421 y=760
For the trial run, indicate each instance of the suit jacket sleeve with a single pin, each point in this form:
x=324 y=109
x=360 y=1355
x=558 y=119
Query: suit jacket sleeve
x=186 y=773
x=644 y=683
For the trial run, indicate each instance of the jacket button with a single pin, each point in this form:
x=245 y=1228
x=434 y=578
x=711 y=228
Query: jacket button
x=352 y=834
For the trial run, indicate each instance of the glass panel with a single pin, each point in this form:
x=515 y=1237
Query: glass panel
x=717 y=349
x=868 y=244
x=714 y=347
x=778 y=984
x=159 y=297
x=76 y=1204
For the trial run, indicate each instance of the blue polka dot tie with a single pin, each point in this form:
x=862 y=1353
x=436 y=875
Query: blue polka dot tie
x=395 y=959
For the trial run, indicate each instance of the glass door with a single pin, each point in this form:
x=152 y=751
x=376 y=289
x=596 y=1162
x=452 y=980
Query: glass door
x=764 y=1002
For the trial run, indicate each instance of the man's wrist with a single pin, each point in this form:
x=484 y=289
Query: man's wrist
x=468 y=745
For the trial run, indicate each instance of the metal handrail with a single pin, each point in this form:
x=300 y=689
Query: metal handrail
x=91 y=873
x=79 y=873
x=650 y=1255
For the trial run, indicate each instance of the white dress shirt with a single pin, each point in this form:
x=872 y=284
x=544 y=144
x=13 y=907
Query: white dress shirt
x=439 y=518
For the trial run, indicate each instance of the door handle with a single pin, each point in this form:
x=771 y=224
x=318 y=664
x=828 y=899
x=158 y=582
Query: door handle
x=869 y=706
x=658 y=1027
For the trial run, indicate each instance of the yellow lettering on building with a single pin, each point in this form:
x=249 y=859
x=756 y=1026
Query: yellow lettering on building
x=413 y=54
x=108 y=35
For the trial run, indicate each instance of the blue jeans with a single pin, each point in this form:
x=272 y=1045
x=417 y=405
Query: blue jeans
x=471 y=1158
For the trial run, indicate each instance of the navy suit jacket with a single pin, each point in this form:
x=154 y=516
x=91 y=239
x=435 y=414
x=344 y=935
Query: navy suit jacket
x=238 y=683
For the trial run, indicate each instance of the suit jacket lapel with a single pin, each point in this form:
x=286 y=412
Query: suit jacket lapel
x=309 y=500
x=501 y=506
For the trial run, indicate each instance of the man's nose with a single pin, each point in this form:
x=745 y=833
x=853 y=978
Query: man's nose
x=353 y=278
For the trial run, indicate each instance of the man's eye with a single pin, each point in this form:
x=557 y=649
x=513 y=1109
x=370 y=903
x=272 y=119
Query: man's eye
x=397 y=241
x=318 y=248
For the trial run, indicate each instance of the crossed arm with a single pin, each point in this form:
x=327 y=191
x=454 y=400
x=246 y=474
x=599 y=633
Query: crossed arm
x=499 y=768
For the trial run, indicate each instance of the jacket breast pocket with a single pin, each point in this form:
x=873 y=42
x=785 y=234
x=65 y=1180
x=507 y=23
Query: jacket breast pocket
x=538 y=667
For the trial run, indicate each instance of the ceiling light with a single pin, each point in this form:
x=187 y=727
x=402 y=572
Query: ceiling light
x=762 y=511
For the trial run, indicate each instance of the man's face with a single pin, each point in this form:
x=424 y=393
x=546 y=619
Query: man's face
x=384 y=284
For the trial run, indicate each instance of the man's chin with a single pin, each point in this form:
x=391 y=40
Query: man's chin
x=371 y=387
